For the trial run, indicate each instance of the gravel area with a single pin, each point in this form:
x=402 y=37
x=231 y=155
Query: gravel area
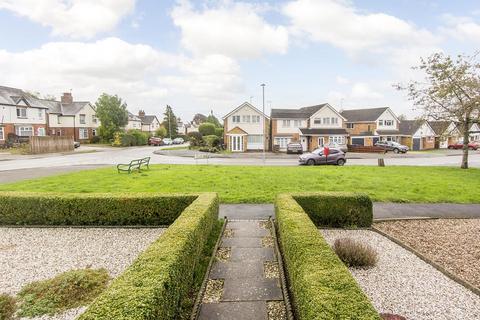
x=403 y=284
x=213 y=291
x=32 y=254
x=223 y=254
x=228 y=233
x=276 y=310
x=270 y=269
x=454 y=244
x=267 y=242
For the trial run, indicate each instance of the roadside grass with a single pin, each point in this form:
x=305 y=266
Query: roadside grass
x=7 y=307
x=68 y=290
x=260 y=184
x=175 y=148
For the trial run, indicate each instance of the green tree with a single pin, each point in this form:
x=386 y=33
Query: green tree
x=161 y=132
x=212 y=119
x=113 y=115
x=450 y=92
x=207 y=129
x=170 y=122
x=199 y=118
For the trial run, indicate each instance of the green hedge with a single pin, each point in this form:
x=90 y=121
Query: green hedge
x=91 y=209
x=153 y=286
x=321 y=285
x=337 y=209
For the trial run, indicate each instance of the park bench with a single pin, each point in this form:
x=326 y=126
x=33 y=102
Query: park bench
x=134 y=165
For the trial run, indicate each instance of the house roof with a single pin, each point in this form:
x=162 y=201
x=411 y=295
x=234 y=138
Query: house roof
x=132 y=117
x=302 y=113
x=237 y=130
x=363 y=115
x=245 y=104
x=316 y=131
x=12 y=96
x=386 y=132
x=439 y=127
x=409 y=127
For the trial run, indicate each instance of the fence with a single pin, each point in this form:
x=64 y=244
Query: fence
x=50 y=144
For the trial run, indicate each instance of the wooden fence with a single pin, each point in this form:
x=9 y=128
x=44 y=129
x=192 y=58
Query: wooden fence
x=50 y=144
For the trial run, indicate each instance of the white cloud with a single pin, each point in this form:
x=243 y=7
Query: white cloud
x=233 y=29
x=72 y=18
x=363 y=91
x=342 y=80
x=461 y=28
x=361 y=35
x=145 y=77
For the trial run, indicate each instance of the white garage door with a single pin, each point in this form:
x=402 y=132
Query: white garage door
x=254 y=142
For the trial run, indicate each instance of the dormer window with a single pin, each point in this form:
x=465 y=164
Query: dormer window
x=22 y=113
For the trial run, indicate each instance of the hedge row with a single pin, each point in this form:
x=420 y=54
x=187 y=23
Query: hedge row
x=337 y=209
x=91 y=209
x=321 y=285
x=153 y=286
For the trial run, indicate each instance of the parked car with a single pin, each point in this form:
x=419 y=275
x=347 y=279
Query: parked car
x=155 y=141
x=458 y=145
x=316 y=157
x=295 y=147
x=392 y=146
x=76 y=144
x=178 y=141
x=334 y=145
x=167 y=141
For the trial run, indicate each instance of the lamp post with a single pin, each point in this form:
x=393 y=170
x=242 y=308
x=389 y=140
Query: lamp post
x=263 y=120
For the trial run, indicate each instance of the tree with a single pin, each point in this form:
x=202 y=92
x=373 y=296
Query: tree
x=212 y=119
x=161 y=132
x=199 y=118
x=113 y=115
x=207 y=129
x=170 y=122
x=402 y=117
x=449 y=92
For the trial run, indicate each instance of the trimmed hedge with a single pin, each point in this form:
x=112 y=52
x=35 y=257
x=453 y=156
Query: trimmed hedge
x=18 y=208
x=154 y=285
x=337 y=209
x=321 y=285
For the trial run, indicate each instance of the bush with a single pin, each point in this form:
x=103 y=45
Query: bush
x=219 y=132
x=354 y=253
x=207 y=129
x=7 y=307
x=18 y=208
x=336 y=209
x=209 y=149
x=196 y=139
x=160 y=278
x=212 y=141
x=139 y=138
x=322 y=287
x=68 y=290
x=95 y=139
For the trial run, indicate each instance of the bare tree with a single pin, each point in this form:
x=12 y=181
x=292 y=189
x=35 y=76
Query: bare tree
x=450 y=92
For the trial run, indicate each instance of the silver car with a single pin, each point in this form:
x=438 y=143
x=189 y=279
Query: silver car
x=316 y=157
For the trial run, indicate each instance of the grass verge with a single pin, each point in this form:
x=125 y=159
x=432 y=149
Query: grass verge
x=260 y=184
x=7 y=307
x=68 y=290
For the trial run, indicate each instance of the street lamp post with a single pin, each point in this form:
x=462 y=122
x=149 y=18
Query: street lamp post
x=263 y=120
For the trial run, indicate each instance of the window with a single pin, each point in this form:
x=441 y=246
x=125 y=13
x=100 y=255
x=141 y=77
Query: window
x=282 y=142
x=58 y=119
x=297 y=123
x=24 y=131
x=326 y=120
x=389 y=122
x=94 y=132
x=40 y=114
x=94 y=119
x=82 y=119
x=21 y=112
x=255 y=119
x=349 y=125
x=52 y=132
x=2 y=134
x=286 y=123
x=41 y=132
x=334 y=120
x=380 y=122
x=83 y=133
x=317 y=121
x=246 y=119
x=236 y=119
x=337 y=139
x=255 y=139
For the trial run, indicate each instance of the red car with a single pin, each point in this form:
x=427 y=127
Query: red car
x=154 y=141
x=471 y=146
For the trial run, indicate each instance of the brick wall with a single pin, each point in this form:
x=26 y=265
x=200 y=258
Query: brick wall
x=359 y=128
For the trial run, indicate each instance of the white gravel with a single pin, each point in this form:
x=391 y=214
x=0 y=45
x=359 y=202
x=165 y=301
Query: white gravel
x=401 y=283
x=31 y=254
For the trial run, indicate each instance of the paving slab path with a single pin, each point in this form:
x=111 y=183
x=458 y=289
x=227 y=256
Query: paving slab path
x=246 y=263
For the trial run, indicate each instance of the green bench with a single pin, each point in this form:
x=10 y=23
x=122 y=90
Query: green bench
x=134 y=165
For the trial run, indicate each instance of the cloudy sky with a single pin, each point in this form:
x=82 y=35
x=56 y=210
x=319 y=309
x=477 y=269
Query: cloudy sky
x=204 y=55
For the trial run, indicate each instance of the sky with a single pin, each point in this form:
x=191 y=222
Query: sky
x=199 y=56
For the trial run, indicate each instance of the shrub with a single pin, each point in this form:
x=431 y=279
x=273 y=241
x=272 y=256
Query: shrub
x=18 y=208
x=212 y=141
x=209 y=149
x=161 y=132
x=68 y=290
x=95 y=139
x=154 y=286
x=207 y=129
x=322 y=286
x=139 y=138
x=196 y=139
x=219 y=132
x=355 y=253
x=337 y=209
x=7 y=307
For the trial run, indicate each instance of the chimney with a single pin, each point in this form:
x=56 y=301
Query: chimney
x=141 y=113
x=67 y=98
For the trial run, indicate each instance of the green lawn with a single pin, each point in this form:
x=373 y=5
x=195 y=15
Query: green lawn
x=257 y=184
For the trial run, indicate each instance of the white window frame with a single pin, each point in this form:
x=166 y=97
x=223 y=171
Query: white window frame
x=297 y=123
x=20 y=112
x=2 y=133
x=326 y=121
x=41 y=132
x=246 y=118
x=236 y=119
x=255 y=138
x=255 y=119
x=82 y=119
x=317 y=121
x=40 y=114
x=94 y=132
x=380 y=122
x=336 y=139
x=388 y=123
x=83 y=133
x=350 y=125
x=286 y=123
x=94 y=119
x=20 y=130
x=282 y=142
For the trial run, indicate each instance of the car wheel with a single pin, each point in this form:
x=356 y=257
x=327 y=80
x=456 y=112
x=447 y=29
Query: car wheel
x=310 y=162
x=471 y=148
x=396 y=150
x=340 y=162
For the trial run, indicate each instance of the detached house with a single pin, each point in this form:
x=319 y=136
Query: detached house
x=21 y=114
x=418 y=134
x=246 y=128
x=446 y=133
x=368 y=126
x=150 y=123
x=134 y=122
x=72 y=118
x=475 y=132
x=312 y=126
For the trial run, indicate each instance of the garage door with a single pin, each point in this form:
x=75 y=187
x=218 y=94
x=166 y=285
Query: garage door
x=358 y=141
x=416 y=143
x=254 y=142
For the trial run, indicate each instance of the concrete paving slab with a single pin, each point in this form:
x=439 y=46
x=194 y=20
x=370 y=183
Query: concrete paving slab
x=244 y=242
x=250 y=233
x=247 y=211
x=251 y=289
x=246 y=224
x=246 y=310
x=252 y=254
x=244 y=269
x=431 y=210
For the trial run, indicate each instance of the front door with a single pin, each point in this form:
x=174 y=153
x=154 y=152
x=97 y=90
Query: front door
x=237 y=143
x=320 y=142
x=304 y=142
